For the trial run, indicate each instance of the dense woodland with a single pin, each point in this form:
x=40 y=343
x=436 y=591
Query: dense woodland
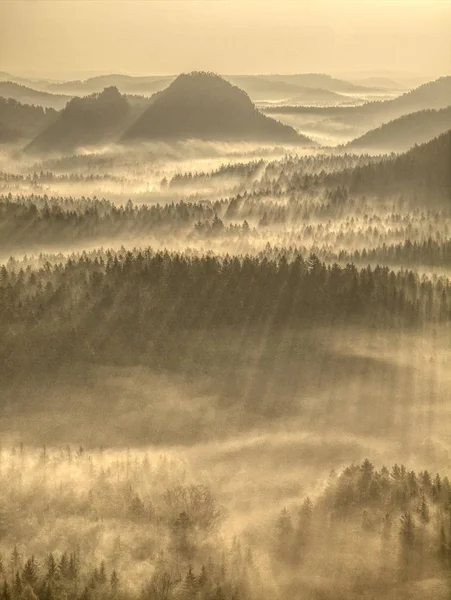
x=118 y=307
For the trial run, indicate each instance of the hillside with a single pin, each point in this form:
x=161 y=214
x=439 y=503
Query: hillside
x=261 y=89
x=310 y=96
x=432 y=95
x=423 y=171
x=402 y=133
x=126 y=84
x=354 y=121
x=85 y=122
x=27 y=95
x=205 y=106
x=379 y=82
x=320 y=80
x=21 y=121
x=6 y=134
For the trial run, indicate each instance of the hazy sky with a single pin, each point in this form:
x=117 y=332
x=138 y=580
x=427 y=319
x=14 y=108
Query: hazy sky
x=77 y=38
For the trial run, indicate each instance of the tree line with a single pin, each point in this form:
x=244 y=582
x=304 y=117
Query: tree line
x=125 y=304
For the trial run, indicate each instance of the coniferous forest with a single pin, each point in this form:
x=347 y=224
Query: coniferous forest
x=225 y=317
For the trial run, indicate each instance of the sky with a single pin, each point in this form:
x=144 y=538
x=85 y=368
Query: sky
x=79 y=38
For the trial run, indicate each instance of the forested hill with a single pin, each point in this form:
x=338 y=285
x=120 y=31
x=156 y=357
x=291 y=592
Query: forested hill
x=21 y=121
x=28 y=95
x=403 y=133
x=85 y=122
x=205 y=106
x=422 y=172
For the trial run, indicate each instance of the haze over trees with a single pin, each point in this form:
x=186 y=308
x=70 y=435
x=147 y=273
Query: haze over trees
x=224 y=347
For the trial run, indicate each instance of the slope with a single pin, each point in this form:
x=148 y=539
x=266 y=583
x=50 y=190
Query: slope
x=21 y=121
x=87 y=121
x=26 y=95
x=205 y=106
x=423 y=172
x=402 y=133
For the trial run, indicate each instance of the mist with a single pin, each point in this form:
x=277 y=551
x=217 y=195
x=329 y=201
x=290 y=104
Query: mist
x=225 y=301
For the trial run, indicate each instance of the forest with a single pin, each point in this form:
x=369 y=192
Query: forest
x=141 y=513
x=225 y=323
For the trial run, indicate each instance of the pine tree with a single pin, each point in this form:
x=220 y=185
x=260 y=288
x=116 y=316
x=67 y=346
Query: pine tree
x=424 y=512
x=17 y=586
x=28 y=593
x=15 y=561
x=190 y=584
x=203 y=578
x=30 y=572
x=5 y=594
x=102 y=573
x=407 y=539
x=63 y=566
x=114 y=583
x=51 y=567
x=72 y=569
x=443 y=547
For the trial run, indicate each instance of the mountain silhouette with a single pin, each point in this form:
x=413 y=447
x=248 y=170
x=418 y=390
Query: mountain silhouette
x=27 y=95
x=402 y=133
x=22 y=121
x=321 y=81
x=422 y=172
x=205 y=106
x=432 y=95
x=85 y=122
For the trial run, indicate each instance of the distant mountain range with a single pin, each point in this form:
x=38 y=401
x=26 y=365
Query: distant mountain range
x=27 y=95
x=206 y=106
x=322 y=81
x=379 y=82
x=258 y=87
x=197 y=105
x=126 y=84
x=360 y=119
x=406 y=131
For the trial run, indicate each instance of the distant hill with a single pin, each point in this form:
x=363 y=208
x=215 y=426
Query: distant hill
x=21 y=121
x=434 y=94
x=379 y=82
x=88 y=121
x=401 y=134
x=311 y=96
x=205 y=106
x=261 y=89
x=20 y=80
x=280 y=86
x=361 y=119
x=126 y=84
x=26 y=95
x=320 y=80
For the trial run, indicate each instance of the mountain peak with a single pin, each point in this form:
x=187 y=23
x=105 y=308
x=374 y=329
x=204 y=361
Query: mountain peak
x=203 y=105
x=85 y=121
